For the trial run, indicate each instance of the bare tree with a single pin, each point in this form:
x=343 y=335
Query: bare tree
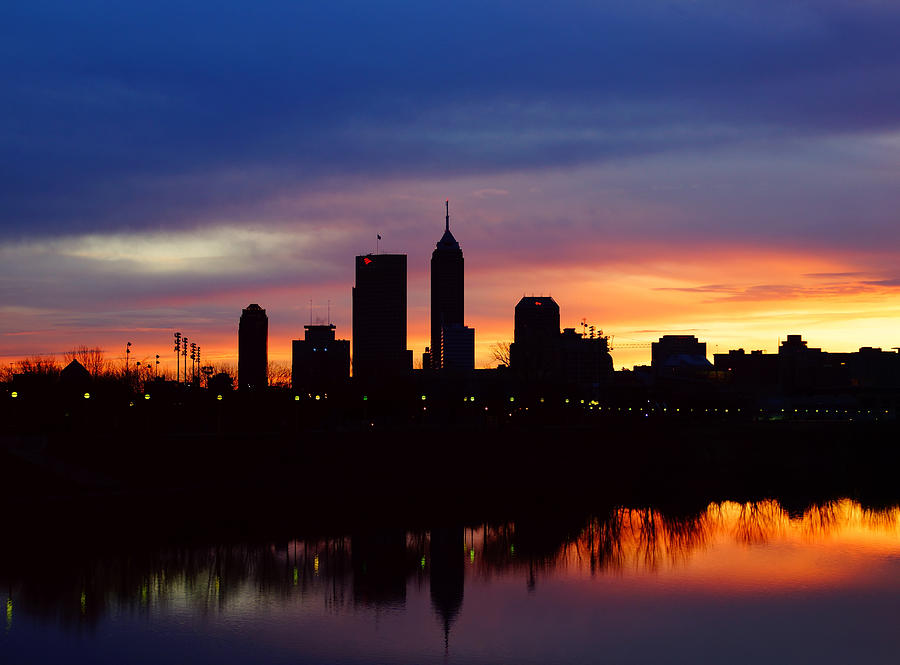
x=38 y=365
x=279 y=374
x=89 y=356
x=500 y=353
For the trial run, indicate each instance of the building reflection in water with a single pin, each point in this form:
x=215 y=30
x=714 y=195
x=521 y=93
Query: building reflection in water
x=374 y=570
x=446 y=575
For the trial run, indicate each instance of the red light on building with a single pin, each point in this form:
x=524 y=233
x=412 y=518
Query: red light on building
x=537 y=302
x=367 y=261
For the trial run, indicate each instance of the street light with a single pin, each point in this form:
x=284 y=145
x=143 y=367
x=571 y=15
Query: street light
x=177 y=361
x=127 y=353
x=184 y=350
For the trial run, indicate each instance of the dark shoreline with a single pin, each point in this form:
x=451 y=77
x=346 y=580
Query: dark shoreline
x=192 y=485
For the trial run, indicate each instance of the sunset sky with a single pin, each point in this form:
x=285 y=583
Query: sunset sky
x=721 y=168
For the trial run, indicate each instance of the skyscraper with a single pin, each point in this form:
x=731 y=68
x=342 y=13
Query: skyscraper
x=319 y=361
x=535 y=353
x=447 y=289
x=379 y=317
x=253 y=348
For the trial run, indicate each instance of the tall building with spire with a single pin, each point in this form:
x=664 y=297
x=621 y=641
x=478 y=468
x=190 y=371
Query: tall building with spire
x=447 y=296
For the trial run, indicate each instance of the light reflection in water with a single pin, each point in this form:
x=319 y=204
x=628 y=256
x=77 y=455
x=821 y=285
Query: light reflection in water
x=726 y=547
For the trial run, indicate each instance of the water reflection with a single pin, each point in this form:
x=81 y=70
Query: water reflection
x=375 y=570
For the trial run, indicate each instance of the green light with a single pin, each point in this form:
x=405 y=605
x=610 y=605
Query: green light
x=423 y=397
x=296 y=398
x=512 y=550
x=14 y=394
x=512 y=399
x=422 y=563
x=472 y=555
x=87 y=395
x=83 y=602
x=365 y=398
x=296 y=576
x=472 y=398
x=219 y=397
x=567 y=400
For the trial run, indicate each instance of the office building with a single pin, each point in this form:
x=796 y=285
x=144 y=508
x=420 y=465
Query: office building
x=379 y=317
x=535 y=352
x=674 y=354
x=253 y=348
x=319 y=362
x=447 y=290
x=457 y=347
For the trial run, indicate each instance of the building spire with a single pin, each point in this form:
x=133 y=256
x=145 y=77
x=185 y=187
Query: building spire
x=447 y=226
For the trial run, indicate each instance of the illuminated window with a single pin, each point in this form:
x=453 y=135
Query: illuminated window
x=146 y=395
x=296 y=398
x=219 y=397
x=14 y=394
x=87 y=395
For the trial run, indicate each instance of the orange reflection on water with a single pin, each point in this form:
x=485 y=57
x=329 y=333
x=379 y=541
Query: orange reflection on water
x=749 y=547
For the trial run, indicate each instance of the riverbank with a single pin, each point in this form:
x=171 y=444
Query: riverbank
x=193 y=483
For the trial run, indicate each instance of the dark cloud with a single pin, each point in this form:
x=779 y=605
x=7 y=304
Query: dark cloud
x=895 y=282
x=126 y=116
x=759 y=292
x=834 y=275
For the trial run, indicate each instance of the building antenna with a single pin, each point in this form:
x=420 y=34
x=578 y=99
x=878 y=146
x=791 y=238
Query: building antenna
x=310 y=312
x=329 y=312
x=447 y=223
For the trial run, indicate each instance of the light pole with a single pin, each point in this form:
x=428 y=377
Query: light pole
x=127 y=354
x=156 y=367
x=177 y=359
x=184 y=348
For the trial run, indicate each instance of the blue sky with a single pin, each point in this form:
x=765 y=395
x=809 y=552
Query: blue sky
x=266 y=143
